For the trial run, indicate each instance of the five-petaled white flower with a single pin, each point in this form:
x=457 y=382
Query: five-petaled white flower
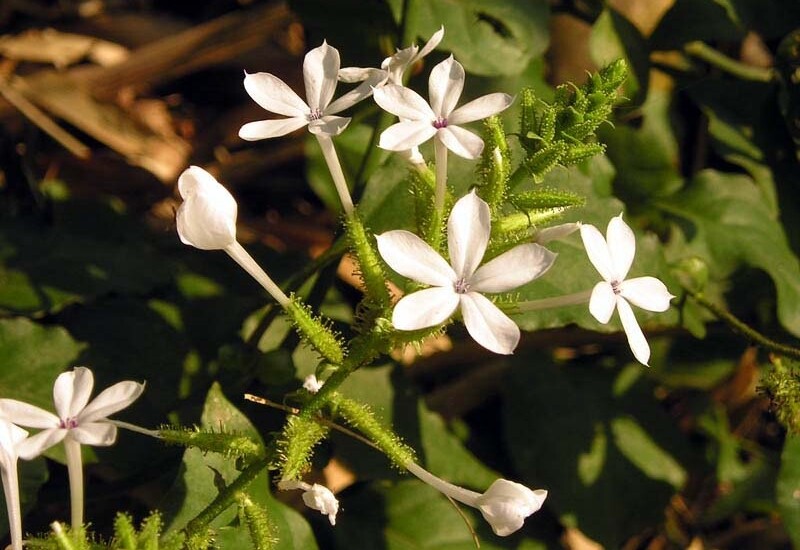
x=320 y=73
x=402 y=60
x=462 y=282
x=11 y=437
x=506 y=504
x=78 y=419
x=420 y=121
x=207 y=217
x=612 y=256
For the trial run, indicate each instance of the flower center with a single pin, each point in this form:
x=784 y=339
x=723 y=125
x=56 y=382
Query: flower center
x=615 y=286
x=440 y=122
x=461 y=286
x=68 y=423
x=316 y=114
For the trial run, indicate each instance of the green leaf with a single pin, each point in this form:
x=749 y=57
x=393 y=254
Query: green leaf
x=489 y=38
x=202 y=476
x=733 y=226
x=688 y=20
x=788 y=488
x=592 y=435
x=32 y=357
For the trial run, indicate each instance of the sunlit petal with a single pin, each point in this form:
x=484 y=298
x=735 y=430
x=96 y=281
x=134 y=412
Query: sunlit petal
x=468 y=232
x=462 y=142
x=373 y=79
x=404 y=103
x=647 y=293
x=35 y=445
x=321 y=74
x=328 y=125
x=405 y=135
x=602 y=301
x=487 y=325
x=412 y=257
x=99 y=434
x=512 y=269
x=636 y=339
x=265 y=129
x=425 y=308
x=24 y=414
x=445 y=84
x=621 y=245
x=273 y=95
x=111 y=400
x=431 y=44
x=207 y=217
x=597 y=250
x=480 y=108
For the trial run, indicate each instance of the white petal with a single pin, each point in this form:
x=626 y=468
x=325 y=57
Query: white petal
x=512 y=269
x=406 y=135
x=273 y=95
x=621 y=245
x=597 y=250
x=487 y=325
x=39 y=443
x=462 y=142
x=425 y=308
x=72 y=390
x=10 y=438
x=431 y=43
x=265 y=129
x=351 y=75
x=321 y=74
x=647 y=293
x=374 y=79
x=445 y=85
x=412 y=257
x=28 y=415
x=468 y=232
x=483 y=107
x=404 y=103
x=602 y=302
x=328 y=125
x=556 y=232
x=99 y=434
x=111 y=400
x=207 y=217
x=636 y=339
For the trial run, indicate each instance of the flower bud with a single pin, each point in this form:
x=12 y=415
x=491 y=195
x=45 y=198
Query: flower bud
x=316 y=497
x=506 y=504
x=207 y=217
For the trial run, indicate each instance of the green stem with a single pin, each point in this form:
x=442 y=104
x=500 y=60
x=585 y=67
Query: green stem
x=743 y=328
x=440 y=155
x=75 y=472
x=731 y=66
x=62 y=537
x=225 y=498
x=369 y=262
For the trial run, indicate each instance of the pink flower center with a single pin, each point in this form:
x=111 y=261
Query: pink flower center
x=440 y=122
x=615 y=286
x=316 y=114
x=461 y=286
x=68 y=423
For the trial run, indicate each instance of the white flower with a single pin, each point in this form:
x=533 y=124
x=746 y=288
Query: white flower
x=320 y=73
x=461 y=283
x=420 y=121
x=612 y=257
x=207 y=217
x=399 y=63
x=311 y=384
x=78 y=419
x=506 y=504
x=11 y=437
x=316 y=497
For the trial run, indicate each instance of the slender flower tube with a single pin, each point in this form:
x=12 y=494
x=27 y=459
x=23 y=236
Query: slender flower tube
x=207 y=220
x=79 y=421
x=316 y=496
x=612 y=256
x=461 y=283
x=11 y=437
x=505 y=505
